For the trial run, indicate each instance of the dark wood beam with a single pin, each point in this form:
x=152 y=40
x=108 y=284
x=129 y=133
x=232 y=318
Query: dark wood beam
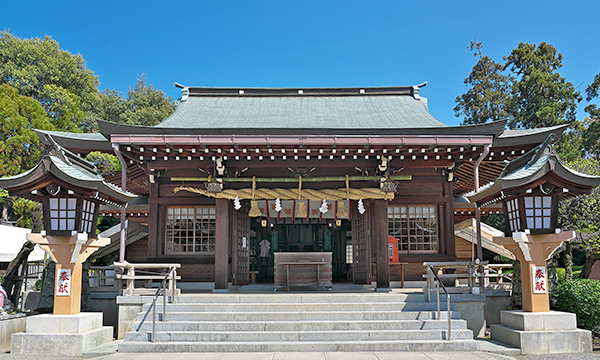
x=336 y=162
x=379 y=235
x=222 y=245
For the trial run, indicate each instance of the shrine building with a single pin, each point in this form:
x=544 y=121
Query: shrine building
x=363 y=178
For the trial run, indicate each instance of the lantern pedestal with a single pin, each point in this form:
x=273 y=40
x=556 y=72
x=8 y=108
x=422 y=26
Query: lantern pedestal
x=67 y=331
x=65 y=335
x=533 y=251
x=69 y=252
x=551 y=332
x=536 y=329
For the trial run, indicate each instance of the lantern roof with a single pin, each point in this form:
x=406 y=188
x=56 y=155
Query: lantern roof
x=64 y=167
x=536 y=167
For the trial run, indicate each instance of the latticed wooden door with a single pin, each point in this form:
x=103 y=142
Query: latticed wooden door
x=240 y=241
x=361 y=247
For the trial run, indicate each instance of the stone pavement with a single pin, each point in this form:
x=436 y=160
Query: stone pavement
x=479 y=355
x=593 y=356
x=289 y=356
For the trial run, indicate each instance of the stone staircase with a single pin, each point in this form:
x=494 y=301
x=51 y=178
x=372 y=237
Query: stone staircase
x=300 y=322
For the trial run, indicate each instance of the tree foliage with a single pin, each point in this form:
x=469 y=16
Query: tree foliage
x=540 y=96
x=489 y=93
x=59 y=80
x=582 y=214
x=108 y=164
x=591 y=133
x=19 y=209
x=581 y=297
x=528 y=91
x=45 y=87
x=20 y=148
x=143 y=105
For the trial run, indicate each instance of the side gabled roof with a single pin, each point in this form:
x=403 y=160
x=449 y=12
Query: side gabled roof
x=534 y=165
x=71 y=169
x=315 y=111
x=310 y=108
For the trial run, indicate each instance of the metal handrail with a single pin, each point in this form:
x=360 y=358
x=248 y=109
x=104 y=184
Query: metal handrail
x=152 y=307
x=438 y=283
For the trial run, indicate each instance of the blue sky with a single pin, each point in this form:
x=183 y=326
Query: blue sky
x=308 y=43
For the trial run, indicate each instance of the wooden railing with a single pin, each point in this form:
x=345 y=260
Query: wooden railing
x=496 y=271
x=103 y=279
x=465 y=277
x=35 y=270
x=145 y=274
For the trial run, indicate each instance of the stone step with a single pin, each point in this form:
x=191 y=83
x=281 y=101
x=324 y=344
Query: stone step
x=295 y=316
x=300 y=307
x=273 y=336
x=299 y=298
x=323 y=325
x=300 y=346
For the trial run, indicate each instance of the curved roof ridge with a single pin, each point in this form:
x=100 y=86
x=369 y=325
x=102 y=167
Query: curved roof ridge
x=293 y=90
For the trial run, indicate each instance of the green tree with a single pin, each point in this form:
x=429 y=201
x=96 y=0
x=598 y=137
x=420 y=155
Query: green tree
x=489 y=93
x=146 y=105
x=108 y=164
x=143 y=105
x=540 y=96
x=59 y=80
x=20 y=148
x=18 y=210
x=582 y=214
x=591 y=134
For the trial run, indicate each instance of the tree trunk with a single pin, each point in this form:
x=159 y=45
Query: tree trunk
x=4 y=213
x=552 y=279
x=517 y=296
x=13 y=279
x=85 y=284
x=591 y=256
x=36 y=218
x=46 y=302
x=568 y=261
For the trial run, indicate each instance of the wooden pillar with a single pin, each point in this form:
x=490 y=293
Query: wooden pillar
x=63 y=250
x=379 y=235
x=533 y=251
x=446 y=235
x=222 y=244
x=68 y=305
x=153 y=221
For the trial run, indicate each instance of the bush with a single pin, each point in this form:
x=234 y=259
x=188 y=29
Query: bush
x=582 y=297
x=38 y=285
x=560 y=274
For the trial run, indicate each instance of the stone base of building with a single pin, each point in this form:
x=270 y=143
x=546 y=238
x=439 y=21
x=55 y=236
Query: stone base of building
x=66 y=335
x=551 y=332
x=10 y=324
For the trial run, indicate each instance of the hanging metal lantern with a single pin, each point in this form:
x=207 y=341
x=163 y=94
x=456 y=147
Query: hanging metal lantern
x=213 y=186
x=388 y=185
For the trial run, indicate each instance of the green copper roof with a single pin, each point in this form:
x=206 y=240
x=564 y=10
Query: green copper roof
x=68 y=167
x=337 y=108
x=531 y=166
x=78 y=142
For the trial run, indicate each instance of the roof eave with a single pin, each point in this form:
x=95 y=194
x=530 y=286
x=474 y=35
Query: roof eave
x=491 y=129
x=535 y=138
x=77 y=145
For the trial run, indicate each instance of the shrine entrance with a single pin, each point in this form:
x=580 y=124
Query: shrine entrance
x=300 y=235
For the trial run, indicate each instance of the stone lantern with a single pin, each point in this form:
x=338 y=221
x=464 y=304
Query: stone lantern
x=71 y=191
x=529 y=189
